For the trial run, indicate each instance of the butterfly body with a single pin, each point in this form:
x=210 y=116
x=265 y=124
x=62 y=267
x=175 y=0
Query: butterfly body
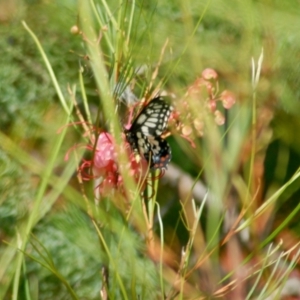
x=144 y=135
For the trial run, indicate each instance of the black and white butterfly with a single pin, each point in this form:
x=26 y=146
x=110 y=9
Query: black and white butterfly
x=144 y=135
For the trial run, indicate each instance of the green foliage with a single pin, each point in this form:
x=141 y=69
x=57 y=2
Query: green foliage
x=16 y=192
x=25 y=83
x=65 y=235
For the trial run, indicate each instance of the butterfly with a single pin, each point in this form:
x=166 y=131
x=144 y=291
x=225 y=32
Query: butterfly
x=144 y=135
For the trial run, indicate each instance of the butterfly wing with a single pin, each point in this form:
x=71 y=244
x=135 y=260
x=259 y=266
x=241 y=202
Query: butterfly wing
x=160 y=154
x=144 y=133
x=153 y=119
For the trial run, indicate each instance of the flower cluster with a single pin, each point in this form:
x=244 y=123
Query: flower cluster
x=105 y=167
x=201 y=98
x=203 y=92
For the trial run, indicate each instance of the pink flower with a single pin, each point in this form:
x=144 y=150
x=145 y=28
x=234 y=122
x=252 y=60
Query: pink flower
x=228 y=99
x=219 y=118
x=105 y=156
x=105 y=165
x=209 y=73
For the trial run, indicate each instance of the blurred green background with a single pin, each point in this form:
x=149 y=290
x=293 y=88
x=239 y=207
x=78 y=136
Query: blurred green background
x=219 y=34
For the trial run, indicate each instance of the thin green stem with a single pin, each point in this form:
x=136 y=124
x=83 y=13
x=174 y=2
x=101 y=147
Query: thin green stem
x=50 y=70
x=161 y=227
x=34 y=215
x=84 y=98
